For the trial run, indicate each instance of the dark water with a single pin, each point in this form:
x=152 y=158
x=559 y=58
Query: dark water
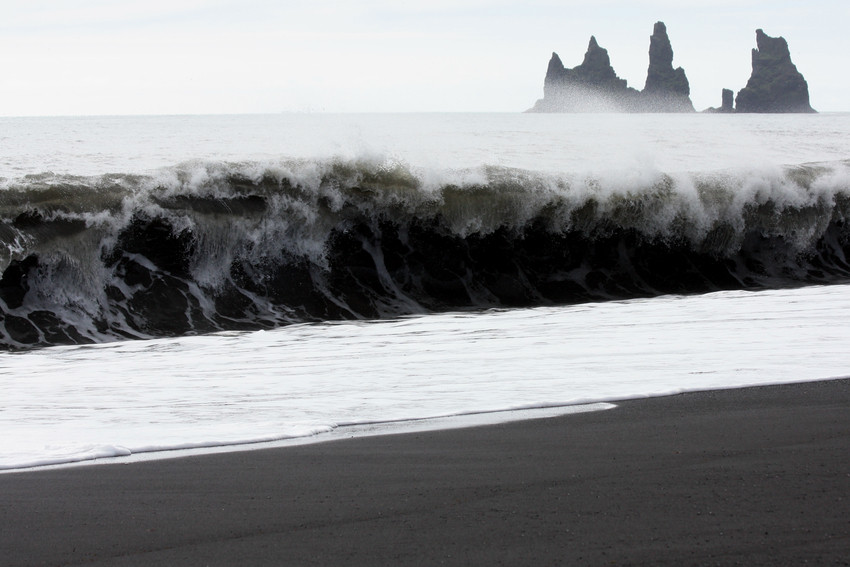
x=220 y=246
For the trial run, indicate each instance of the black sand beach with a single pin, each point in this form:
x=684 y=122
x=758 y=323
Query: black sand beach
x=756 y=476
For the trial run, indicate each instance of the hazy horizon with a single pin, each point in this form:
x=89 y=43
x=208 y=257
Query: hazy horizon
x=257 y=56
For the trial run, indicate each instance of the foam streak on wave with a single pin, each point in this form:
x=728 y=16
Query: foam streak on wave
x=208 y=246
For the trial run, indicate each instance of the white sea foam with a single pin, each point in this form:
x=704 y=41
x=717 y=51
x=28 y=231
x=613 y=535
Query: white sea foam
x=67 y=404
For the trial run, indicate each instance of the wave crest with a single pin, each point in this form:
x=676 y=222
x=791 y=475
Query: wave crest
x=207 y=246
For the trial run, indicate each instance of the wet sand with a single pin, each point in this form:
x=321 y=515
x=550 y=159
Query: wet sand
x=755 y=476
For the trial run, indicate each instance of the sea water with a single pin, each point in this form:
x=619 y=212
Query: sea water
x=179 y=282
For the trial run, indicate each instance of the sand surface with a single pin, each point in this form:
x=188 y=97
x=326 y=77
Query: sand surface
x=757 y=476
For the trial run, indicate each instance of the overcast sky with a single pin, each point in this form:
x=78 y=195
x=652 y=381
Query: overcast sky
x=244 y=56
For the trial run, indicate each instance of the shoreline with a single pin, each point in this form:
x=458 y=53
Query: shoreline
x=338 y=433
x=376 y=428
x=756 y=476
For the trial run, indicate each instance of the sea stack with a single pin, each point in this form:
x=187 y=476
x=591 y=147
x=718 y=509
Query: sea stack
x=775 y=84
x=592 y=86
x=667 y=89
x=727 y=104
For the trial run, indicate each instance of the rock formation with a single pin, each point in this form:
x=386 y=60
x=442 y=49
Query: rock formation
x=594 y=86
x=727 y=100
x=727 y=103
x=775 y=84
x=666 y=89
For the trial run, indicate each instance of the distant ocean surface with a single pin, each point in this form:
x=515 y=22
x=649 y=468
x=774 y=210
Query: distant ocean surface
x=201 y=281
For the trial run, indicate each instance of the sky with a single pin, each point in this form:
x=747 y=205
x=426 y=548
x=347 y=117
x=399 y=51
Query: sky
x=101 y=57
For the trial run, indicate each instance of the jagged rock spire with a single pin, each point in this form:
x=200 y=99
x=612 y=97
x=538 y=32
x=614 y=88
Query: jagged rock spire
x=596 y=69
x=775 y=84
x=660 y=76
x=595 y=73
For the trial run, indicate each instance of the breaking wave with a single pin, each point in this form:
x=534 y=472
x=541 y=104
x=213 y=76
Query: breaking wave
x=210 y=246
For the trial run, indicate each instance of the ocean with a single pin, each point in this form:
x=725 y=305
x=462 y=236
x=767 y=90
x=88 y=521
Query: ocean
x=182 y=283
